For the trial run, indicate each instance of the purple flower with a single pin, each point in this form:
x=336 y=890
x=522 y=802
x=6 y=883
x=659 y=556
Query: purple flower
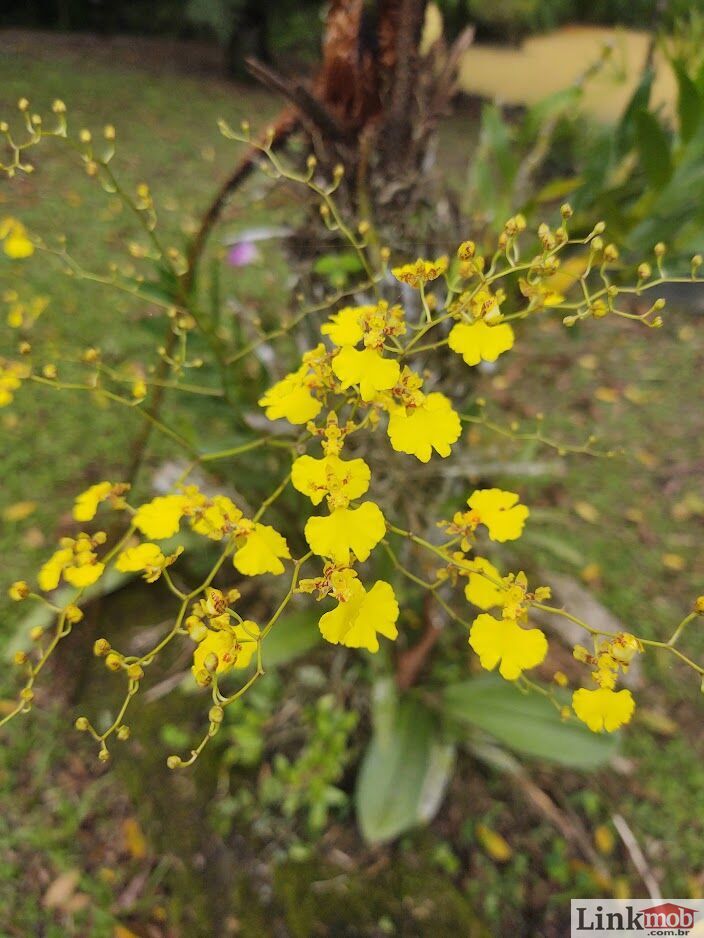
x=242 y=253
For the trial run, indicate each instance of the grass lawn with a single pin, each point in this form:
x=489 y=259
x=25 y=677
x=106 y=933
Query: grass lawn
x=630 y=527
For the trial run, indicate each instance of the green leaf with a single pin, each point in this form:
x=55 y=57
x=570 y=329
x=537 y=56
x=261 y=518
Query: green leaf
x=559 y=188
x=403 y=775
x=689 y=103
x=527 y=723
x=654 y=149
x=292 y=636
x=625 y=133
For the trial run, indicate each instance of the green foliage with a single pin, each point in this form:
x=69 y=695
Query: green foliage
x=638 y=176
x=526 y=723
x=307 y=784
x=405 y=770
x=514 y=18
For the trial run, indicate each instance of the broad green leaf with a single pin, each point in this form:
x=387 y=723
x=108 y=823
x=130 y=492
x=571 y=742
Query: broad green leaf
x=654 y=149
x=689 y=103
x=403 y=775
x=527 y=723
x=292 y=636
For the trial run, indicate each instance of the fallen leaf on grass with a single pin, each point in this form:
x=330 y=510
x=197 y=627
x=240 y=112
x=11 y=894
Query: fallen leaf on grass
x=62 y=889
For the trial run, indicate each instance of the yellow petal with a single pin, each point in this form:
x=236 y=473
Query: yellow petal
x=432 y=426
x=317 y=478
x=134 y=559
x=161 y=517
x=504 y=642
x=344 y=327
x=480 y=590
x=602 y=708
x=478 y=341
x=498 y=511
x=291 y=400
x=86 y=504
x=356 y=622
x=50 y=573
x=262 y=552
x=367 y=368
x=344 y=530
x=84 y=575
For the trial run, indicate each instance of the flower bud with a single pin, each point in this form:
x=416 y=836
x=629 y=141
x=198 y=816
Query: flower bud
x=135 y=672
x=566 y=210
x=123 y=733
x=73 y=614
x=659 y=249
x=611 y=252
x=699 y=605
x=36 y=633
x=18 y=591
x=466 y=250
x=104 y=755
x=174 y=762
x=216 y=714
x=81 y=724
x=113 y=662
x=101 y=647
x=20 y=657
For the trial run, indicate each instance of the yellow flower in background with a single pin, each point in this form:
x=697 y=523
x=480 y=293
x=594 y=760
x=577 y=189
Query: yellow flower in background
x=499 y=512
x=217 y=518
x=433 y=425
x=421 y=271
x=367 y=368
x=603 y=709
x=11 y=376
x=75 y=561
x=86 y=504
x=482 y=591
x=161 y=517
x=225 y=649
x=478 y=341
x=346 y=529
x=345 y=326
x=16 y=243
x=291 y=399
x=317 y=478
x=504 y=642
x=262 y=552
x=145 y=558
x=356 y=622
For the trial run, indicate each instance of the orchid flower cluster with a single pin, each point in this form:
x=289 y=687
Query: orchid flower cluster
x=362 y=380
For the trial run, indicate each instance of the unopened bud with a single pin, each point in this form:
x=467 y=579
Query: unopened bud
x=73 y=614
x=135 y=672
x=216 y=714
x=699 y=605
x=466 y=250
x=659 y=249
x=18 y=591
x=174 y=762
x=101 y=647
x=113 y=662
x=611 y=252
x=104 y=755
x=123 y=733
x=644 y=271
x=566 y=210
x=81 y=724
